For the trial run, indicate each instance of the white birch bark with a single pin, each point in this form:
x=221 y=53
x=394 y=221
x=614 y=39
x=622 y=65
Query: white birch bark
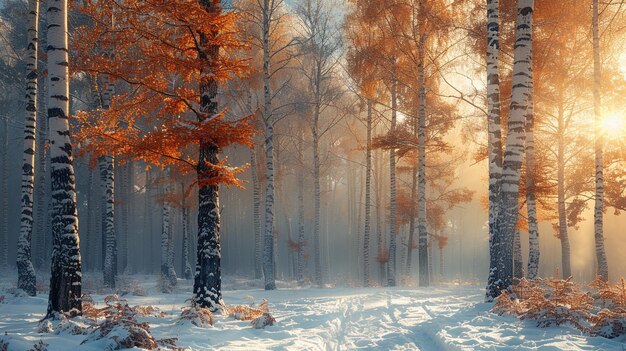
x=106 y=165
x=107 y=186
x=65 y=281
x=187 y=271
x=165 y=244
x=494 y=133
x=566 y=270
x=268 y=235
x=514 y=150
x=301 y=233
x=391 y=264
x=368 y=198
x=598 y=211
x=26 y=279
x=256 y=198
x=531 y=203
x=424 y=274
x=317 y=193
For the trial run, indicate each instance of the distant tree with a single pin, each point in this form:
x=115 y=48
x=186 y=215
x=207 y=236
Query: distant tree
x=26 y=271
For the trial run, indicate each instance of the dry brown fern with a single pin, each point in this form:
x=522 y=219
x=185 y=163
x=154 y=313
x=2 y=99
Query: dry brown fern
x=196 y=315
x=247 y=313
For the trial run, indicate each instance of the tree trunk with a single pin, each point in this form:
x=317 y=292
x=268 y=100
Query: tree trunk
x=187 y=272
x=256 y=190
x=513 y=155
x=65 y=281
x=391 y=264
x=268 y=246
x=126 y=171
x=495 y=135
x=379 y=219
x=368 y=198
x=107 y=185
x=409 y=256
x=563 y=235
x=171 y=273
x=317 y=194
x=301 y=234
x=26 y=279
x=207 y=285
x=598 y=212
x=424 y=276
x=531 y=204
x=166 y=270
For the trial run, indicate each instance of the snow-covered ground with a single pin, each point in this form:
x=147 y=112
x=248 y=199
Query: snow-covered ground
x=451 y=317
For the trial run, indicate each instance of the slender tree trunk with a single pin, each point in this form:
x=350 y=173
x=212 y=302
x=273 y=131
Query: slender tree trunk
x=122 y=237
x=92 y=251
x=256 y=190
x=563 y=235
x=65 y=281
x=187 y=272
x=317 y=194
x=409 y=256
x=391 y=265
x=301 y=234
x=268 y=246
x=171 y=273
x=424 y=276
x=107 y=185
x=379 y=220
x=166 y=280
x=598 y=212
x=207 y=285
x=26 y=279
x=513 y=155
x=148 y=220
x=368 y=198
x=531 y=204
x=495 y=136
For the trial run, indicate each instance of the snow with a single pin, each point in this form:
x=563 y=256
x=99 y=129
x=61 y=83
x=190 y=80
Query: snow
x=449 y=317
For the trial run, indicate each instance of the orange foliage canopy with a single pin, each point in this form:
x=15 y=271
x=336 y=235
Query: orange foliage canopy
x=158 y=52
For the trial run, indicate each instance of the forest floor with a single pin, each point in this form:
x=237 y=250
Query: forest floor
x=448 y=317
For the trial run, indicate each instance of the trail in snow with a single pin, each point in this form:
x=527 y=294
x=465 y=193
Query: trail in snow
x=433 y=319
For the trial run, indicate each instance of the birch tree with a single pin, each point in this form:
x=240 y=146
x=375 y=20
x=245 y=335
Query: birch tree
x=106 y=165
x=494 y=132
x=598 y=212
x=320 y=45
x=26 y=272
x=506 y=219
x=531 y=201
x=65 y=281
x=268 y=35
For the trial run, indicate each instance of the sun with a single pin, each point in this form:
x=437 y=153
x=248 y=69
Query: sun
x=614 y=126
